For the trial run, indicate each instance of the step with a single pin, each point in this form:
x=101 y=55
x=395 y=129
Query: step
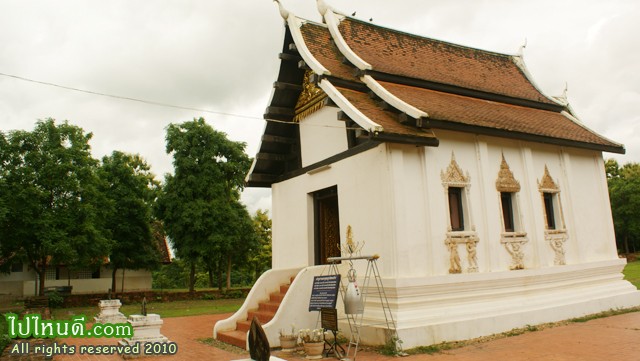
x=276 y=297
x=270 y=306
x=263 y=316
x=235 y=338
x=284 y=288
x=265 y=312
x=243 y=325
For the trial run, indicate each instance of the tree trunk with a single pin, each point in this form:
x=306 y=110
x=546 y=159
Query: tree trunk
x=626 y=245
x=41 y=276
x=210 y=270
x=122 y=282
x=192 y=278
x=113 y=281
x=219 y=273
x=228 y=272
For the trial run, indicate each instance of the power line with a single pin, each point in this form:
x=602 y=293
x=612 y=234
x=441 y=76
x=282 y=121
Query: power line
x=128 y=98
x=151 y=102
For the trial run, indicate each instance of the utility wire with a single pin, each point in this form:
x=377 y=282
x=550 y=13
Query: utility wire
x=128 y=98
x=163 y=104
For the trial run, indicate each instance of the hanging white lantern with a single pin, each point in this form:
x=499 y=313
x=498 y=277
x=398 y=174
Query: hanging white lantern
x=353 y=296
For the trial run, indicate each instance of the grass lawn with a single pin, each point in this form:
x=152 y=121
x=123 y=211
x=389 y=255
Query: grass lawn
x=164 y=309
x=632 y=273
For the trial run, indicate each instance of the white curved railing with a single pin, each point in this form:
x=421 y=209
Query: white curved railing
x=266 y=284
x=294 y=309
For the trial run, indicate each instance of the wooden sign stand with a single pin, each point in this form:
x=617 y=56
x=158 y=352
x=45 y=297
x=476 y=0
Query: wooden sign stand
x=329 y=319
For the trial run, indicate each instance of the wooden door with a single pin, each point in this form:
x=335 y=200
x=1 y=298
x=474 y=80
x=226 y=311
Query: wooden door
x=327 y=225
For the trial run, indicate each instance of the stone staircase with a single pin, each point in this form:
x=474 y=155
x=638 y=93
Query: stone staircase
x=265 y=312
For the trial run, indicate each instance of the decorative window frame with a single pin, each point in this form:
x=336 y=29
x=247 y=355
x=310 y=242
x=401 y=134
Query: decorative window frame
x=454 y=176
x=512 y=241
x=556 y=237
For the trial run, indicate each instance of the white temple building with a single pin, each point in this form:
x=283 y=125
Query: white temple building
x=485 y=198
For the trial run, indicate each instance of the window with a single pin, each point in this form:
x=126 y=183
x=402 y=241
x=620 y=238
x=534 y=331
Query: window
x=88 y=273
x=507 y=211
x=52 y=273
x=456 y=212
x=549 y=210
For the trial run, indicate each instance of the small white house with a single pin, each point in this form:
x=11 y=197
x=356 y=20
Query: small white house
x=485 y=198
x=22 y=281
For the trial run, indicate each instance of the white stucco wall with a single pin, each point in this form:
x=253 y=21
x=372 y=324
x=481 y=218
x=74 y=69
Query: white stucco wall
x=22 y=284
x=394 y=199
x=361 y=182
x=583 y=193
x=321 y=136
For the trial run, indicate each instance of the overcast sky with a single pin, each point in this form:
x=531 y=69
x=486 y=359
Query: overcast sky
x=223 y=56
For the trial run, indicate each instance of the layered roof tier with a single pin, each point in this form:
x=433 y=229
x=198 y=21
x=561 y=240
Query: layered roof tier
x=400 y=87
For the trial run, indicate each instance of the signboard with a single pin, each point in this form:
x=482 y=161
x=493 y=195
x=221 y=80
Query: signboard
x=324 y=293
x=329 y=319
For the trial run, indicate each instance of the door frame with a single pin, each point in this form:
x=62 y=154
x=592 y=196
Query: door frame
x=319 y=197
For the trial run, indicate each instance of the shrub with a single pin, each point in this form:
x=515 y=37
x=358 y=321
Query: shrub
x=208 y=296
x=4 y=337
x=234 y=294
x=55 y=300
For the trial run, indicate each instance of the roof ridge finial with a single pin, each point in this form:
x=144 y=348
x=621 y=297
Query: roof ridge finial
x=563 y=98
x=283 y=12
x=521 y=49
x=322 y=7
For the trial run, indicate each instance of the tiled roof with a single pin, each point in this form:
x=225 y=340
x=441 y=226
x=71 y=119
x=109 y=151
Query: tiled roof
x=465 y=70
x=413 y=56
x=459 y=88
x=483 y=113
x=386 y=119
x=319 y=43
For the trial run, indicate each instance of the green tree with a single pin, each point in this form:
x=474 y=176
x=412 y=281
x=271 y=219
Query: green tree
x=236 y=241
x=173 y=275
x=130 y=189
x=260 y=259
x=624 y=193
x=241 y=238
x=50 y=187
x=197 y=199
x=6 y=254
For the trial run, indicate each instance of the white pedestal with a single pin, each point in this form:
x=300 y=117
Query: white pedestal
x=110 y=312
x=145 y=329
